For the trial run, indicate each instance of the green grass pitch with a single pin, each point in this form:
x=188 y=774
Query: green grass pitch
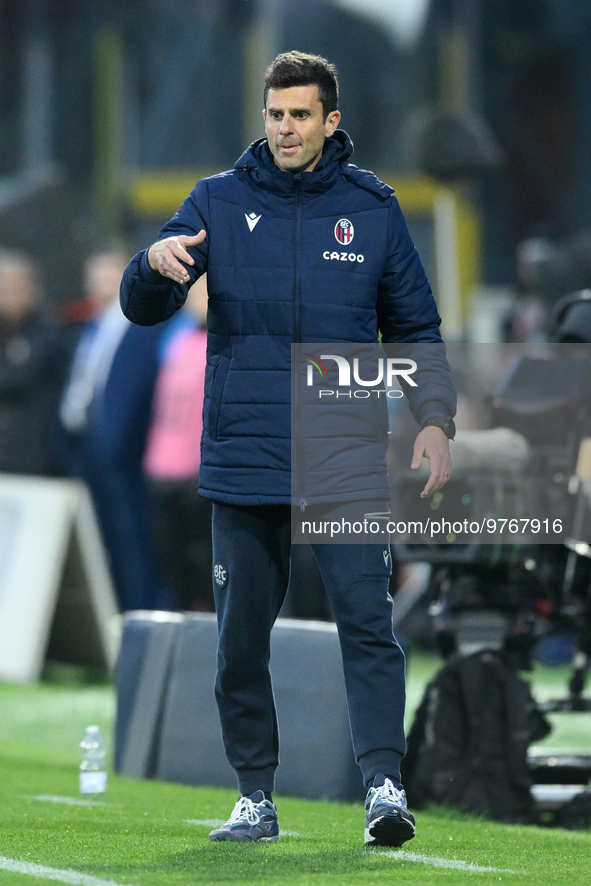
x=146 y=833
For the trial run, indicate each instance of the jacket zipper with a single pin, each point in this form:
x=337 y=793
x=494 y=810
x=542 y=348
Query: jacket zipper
x=297 y=309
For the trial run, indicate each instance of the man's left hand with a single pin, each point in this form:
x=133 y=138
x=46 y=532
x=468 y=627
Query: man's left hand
x=432 y=443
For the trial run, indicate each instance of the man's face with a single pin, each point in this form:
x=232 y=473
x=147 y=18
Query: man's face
x=102 y=276
x=17 y=292
x=295 y=127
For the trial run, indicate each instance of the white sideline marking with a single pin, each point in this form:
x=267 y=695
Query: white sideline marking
x=436 y=862
x=67 y=801
x=73 y=878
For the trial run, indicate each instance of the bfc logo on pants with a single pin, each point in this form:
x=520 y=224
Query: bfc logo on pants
x=220 y=574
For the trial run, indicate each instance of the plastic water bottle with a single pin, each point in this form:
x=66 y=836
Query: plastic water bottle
x=93 y=775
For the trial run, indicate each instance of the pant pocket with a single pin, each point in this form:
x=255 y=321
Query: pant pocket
x=377 y=558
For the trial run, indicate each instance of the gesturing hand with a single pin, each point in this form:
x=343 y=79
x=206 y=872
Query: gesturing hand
x=165 y=256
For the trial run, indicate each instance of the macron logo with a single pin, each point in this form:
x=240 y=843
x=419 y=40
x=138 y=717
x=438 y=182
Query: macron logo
x=252 y=220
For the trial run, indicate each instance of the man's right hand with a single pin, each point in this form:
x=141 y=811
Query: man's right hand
x=165 y=256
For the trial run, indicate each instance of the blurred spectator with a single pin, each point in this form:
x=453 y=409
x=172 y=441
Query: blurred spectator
x=104 y=414
x=182 y=517
x=547 y=271
x=32 y=368
x=529 y=313
x=571 y=319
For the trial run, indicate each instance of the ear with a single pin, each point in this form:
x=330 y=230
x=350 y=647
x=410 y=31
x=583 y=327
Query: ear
x=332 y=121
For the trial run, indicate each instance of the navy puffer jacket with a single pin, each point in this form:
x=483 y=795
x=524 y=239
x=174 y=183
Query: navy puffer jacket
x=280 y=269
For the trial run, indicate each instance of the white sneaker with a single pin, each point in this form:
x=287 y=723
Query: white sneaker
x=387 y=819
x=253 y=819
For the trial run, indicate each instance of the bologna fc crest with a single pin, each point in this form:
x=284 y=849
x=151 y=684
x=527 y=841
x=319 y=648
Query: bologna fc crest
x=344 y=231
x=220 y=574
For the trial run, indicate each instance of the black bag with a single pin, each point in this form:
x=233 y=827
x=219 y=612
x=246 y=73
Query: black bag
x=469 y=740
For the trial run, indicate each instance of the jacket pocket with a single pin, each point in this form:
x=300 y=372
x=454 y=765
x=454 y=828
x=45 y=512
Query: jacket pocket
x=217 y=392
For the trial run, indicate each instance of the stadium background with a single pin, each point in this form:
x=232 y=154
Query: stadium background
x=96 y=96
x=109 y=112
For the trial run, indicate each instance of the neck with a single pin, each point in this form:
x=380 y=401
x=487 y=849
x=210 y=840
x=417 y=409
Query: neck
x=308 y=168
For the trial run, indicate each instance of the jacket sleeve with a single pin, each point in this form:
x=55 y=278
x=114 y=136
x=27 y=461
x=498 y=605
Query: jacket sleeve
x=408 y=319
x=146 y=296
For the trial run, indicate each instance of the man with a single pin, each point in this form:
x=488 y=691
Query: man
x=261 y=231
x=104 y=416
x=33 y=362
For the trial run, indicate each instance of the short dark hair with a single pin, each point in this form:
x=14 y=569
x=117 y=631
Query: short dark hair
x=300 y=69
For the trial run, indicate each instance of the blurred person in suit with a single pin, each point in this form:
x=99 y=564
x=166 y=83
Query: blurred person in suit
x=33 y=362
x=104 y=415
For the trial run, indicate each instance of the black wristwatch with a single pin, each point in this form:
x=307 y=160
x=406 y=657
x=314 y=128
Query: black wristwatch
x=447 y=425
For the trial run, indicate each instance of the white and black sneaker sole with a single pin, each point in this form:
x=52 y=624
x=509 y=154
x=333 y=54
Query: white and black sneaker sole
x=242 y=838
x=389 y=830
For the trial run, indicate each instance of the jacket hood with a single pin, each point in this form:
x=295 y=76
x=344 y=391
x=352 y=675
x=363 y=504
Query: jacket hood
x=258 y=162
